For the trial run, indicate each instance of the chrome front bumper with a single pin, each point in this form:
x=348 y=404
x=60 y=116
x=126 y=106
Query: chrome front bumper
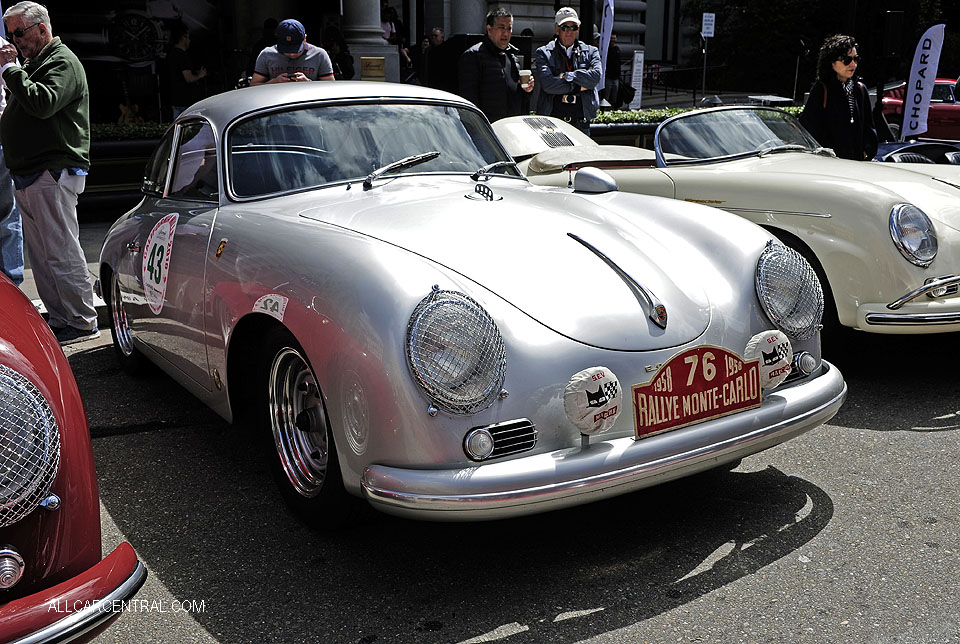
x=603 y=468
x=892 y=314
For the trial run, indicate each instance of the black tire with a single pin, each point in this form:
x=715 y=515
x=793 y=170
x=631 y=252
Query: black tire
x=303 y=455
x=131 y=360
x=893 y=124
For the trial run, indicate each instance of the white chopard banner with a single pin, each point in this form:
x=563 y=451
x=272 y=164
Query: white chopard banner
x=606 y=28
x=916 y=101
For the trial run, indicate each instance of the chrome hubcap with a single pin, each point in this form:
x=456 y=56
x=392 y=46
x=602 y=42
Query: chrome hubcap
x=121 y=326
x=298 y=422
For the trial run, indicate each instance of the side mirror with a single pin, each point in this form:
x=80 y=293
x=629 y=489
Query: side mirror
x=593 y=180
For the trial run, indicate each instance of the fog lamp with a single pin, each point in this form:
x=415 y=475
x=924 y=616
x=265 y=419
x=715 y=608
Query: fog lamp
x=805 y=362
x=478 y=444
x=11 y=568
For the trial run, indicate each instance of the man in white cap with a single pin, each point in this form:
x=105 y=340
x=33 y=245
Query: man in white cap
x=568 y=71
x=292 y=59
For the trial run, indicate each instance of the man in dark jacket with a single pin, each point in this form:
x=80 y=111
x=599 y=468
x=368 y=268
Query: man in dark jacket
x=489 y=73
x=45 y=132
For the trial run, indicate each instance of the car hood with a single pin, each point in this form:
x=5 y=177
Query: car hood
x=519 y=246
x=934 y=189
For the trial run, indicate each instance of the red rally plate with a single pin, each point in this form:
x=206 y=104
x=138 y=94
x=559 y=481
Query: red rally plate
x=693 y=386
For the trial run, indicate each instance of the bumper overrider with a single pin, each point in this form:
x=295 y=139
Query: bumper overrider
x=920 y=311
x=78 y=609
x=604 y=468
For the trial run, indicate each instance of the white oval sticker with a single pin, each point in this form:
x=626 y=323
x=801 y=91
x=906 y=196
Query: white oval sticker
x=156 y=261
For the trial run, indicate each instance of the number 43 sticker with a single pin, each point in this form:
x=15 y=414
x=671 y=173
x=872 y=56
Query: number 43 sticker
x=156 y=261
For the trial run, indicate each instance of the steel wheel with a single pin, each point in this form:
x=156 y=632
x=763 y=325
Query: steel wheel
x=131 y=360
x=121 y=327
x=298 y=422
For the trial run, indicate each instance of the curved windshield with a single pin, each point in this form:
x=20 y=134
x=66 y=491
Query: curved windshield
x=319 y=145
x=702 y=136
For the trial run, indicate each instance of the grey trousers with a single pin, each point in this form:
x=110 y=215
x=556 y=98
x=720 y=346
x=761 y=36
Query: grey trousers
x=52 y=238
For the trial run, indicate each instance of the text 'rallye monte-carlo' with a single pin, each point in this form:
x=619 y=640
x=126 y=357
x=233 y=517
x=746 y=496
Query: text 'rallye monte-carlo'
x=360 y=271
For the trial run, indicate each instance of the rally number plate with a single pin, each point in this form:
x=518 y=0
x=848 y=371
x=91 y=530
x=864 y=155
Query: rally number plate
x=693 y=386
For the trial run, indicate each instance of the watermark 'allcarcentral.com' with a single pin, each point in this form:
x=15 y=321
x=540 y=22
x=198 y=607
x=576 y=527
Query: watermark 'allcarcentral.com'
x=128 y=606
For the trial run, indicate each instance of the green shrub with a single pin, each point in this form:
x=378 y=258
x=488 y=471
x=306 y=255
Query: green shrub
x=655 y=116
x=126 y=131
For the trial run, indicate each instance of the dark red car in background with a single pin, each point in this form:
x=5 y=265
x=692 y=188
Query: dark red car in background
x=54 y=584
x=943 y=119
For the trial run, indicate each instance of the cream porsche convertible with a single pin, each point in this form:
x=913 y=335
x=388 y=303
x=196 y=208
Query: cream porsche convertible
x=883 y=237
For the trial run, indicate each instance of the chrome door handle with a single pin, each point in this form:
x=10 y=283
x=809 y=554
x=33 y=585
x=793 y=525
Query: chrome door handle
x=133 y=247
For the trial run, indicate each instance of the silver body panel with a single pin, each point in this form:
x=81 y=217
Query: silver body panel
x=350 y=265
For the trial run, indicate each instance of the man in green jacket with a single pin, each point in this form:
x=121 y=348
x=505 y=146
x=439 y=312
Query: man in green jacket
x=45 y=134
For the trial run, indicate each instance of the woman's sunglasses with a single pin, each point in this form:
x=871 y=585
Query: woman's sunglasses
x=849 y=59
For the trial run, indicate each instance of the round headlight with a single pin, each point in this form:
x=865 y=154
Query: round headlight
x=789 y=291
x=29 y=447
x=913 y=234
x=455 y=352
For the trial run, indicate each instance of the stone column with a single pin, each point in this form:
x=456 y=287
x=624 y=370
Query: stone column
x=362 y=31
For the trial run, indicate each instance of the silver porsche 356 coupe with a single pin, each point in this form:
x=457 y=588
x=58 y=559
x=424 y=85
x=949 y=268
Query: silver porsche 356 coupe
x=361 y=272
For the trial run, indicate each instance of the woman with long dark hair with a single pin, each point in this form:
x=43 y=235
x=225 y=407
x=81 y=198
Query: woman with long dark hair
x=838 y=112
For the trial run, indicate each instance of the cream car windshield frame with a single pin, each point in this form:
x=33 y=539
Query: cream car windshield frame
x=729 y=133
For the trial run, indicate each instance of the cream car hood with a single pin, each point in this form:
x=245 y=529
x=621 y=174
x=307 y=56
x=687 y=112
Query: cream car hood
x=519 y=247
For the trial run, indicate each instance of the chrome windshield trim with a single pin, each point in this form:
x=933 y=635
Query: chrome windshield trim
x=770 y=211
x=923 y=290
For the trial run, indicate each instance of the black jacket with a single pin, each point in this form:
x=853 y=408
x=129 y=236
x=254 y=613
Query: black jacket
x=829 y=121
x=490 y=79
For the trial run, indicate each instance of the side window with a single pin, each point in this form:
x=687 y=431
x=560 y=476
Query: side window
x=195 y=169
x=155 y=174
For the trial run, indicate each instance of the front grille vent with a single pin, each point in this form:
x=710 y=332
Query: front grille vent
x=548 y=132
x=512 y=437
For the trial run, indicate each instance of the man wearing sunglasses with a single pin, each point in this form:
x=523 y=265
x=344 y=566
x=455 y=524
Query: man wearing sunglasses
x=45 y=133
x=837 y=112
x=568 y=71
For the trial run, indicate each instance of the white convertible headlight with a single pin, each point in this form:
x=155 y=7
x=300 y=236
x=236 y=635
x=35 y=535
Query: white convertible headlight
x=913 y=234
x=455 y=352
x=29 y=447
x=789 y=291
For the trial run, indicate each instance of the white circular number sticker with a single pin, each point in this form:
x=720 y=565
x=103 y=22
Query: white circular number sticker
x=156 y=261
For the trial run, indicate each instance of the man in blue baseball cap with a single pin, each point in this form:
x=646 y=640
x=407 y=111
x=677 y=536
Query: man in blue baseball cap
x=292 y=59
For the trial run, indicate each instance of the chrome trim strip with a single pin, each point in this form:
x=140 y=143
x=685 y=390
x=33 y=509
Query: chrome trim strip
x=923 y=290
x=585 y=475
x=656 y=305
x=768 y=211
x=83 y=621
x=912 y=319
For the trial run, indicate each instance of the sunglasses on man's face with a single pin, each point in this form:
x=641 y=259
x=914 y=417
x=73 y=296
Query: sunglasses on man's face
x=846 y=60
x=569 y=27
x=18 y=33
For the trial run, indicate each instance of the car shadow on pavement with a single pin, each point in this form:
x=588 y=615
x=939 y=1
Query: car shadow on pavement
x=203 y=513
x=914 y=376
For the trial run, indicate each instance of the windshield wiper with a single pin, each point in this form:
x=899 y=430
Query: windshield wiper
x=405 y=162
x=789 y=147
x=490 y=166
